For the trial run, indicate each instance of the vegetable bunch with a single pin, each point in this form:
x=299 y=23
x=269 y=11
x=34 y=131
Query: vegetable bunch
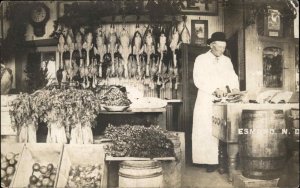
x=21 y=111
x=69 y=107
x=138 y=141
x=115 y=97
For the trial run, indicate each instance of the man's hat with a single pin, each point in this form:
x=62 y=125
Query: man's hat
x=217 y=36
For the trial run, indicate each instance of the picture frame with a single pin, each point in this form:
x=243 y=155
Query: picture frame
x=273 y=24
x=199 y=32
x=200 y=7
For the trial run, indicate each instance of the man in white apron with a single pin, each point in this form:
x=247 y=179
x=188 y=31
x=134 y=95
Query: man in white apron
x=212 y=73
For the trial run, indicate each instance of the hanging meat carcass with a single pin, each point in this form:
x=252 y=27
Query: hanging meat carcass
x=162 y=49
x=78 y=51
x=133 y=66
x=112 y=47
x=120 y=68
x=153 y=70
x=94 y=72
x=124 y=49
x=137 y=50
x=60 y=73
x=70 y=47
x=100 y=49
x=149 y=48
x=88 y=45
x=174 y=46
x=6 y=79
x=185 y=33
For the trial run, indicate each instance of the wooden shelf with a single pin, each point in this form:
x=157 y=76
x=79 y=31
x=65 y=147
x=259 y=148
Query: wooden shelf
x=110 y=158
x=174 y=101
x=137 y=110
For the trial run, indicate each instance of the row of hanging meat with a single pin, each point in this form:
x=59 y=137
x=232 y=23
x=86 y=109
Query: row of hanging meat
x=150 y=56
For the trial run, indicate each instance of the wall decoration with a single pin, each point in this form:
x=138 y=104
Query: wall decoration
x=200 y=7
x=273 y=23
x=199 y=32
x=39 y=16
x=273 y=67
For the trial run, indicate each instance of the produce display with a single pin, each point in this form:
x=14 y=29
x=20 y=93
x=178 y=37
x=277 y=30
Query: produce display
x=138 y=141
x=67 y=107
x=42 y=176
x=8 y=167
x=115 y=97
x=81 y=176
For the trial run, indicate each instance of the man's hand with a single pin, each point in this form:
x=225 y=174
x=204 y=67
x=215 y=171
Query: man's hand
x=219 y=93
x=235 y=91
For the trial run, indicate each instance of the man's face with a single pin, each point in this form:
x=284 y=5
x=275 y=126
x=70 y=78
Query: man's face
x=218 y=48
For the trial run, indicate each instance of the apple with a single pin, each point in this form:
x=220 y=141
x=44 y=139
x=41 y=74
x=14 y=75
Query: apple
x=10 y=170
x=3 y=173
x=33 y=179
x=10 y=156
x=4 y=165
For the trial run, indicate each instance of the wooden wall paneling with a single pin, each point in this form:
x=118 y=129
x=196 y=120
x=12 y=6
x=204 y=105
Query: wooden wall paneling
x=252 y=60
x=241 y=59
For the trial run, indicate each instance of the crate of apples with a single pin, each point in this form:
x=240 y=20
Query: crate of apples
x=42 y=175
x=10 y=158
x=39 y=165
x=80 y=169
x=85 y=176
x=8 y=167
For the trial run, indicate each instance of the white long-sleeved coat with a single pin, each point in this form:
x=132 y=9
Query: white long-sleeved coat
x=208 y=74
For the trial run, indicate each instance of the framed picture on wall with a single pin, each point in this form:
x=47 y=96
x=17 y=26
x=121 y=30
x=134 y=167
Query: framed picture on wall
x=200 y=7
x=199 y=32
x=273 y=26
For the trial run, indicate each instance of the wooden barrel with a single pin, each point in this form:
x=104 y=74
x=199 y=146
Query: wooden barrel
x=294 y=129
x=262 y=151
x=140 y=174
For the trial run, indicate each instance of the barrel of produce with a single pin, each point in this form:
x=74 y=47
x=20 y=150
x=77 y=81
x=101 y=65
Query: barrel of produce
x=262 y=144
x=140 y=174
x=294 y=129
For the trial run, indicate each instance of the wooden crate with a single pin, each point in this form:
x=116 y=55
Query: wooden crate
x=81 y=154
x=239 y=181
x=16 y=148
x=36 y=153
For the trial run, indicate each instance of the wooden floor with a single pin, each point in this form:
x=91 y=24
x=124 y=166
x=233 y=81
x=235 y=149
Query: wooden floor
x=197 y=177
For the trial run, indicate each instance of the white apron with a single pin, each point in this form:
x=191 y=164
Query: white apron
x=208 y=74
